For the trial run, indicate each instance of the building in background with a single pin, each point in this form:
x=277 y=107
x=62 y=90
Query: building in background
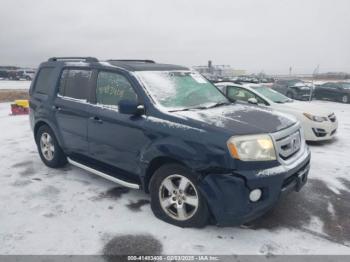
x=216 y=72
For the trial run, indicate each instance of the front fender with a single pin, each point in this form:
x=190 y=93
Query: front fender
x=196 y=156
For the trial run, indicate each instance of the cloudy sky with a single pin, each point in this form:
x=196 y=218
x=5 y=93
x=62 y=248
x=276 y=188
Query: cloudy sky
x=256 y=35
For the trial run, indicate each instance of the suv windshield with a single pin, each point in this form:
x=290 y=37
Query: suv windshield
x=179 y=90
x=271 y=94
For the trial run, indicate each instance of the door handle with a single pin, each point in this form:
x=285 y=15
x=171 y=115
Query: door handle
x=96 y=119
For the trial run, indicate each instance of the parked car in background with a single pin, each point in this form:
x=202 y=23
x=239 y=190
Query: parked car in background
x=294 y=89
x=26 y=74
x=318 y=123
x=4 y=74
x=339 y=92
x=167 y=130
x=12 y=75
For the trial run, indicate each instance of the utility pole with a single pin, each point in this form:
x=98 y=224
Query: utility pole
x=314 y=73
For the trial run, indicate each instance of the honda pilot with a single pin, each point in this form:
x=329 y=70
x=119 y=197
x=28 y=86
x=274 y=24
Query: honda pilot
x=168 y=131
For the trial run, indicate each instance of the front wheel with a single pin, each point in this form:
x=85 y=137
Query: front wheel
x=175 y=197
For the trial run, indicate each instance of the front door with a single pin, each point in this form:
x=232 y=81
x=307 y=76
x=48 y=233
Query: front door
x=114 y=138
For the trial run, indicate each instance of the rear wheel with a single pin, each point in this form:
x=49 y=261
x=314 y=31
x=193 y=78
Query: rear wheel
x=175 y=197
x=345 y=99
x=49 y=150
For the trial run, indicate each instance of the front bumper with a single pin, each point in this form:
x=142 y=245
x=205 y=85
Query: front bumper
x=228 y=194
x=315 y=131
x=304 y=96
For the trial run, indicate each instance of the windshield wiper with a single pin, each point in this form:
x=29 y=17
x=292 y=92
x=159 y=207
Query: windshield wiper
x=201 y=107
x=189 y=108
x=219 y=104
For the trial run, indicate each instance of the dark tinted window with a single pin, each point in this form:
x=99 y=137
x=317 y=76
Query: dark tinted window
x=43 y=81
x=74 y=83
x=113 y=87
x=62 y=83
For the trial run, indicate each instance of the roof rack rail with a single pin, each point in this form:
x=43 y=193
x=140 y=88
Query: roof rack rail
x=73 y=58
x=132 y=60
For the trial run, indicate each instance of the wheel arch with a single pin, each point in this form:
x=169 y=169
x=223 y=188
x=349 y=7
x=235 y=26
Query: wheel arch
x=155 y=164
x=41 y=123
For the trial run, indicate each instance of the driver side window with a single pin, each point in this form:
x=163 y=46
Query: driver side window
x=241 y=94
x=113 y=87
x=238 y=93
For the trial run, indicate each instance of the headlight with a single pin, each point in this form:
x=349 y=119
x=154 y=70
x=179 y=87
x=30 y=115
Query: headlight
x=252 y=148
x=315 y=118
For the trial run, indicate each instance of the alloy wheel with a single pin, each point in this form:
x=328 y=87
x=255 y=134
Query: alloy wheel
x=178 y=197
x=47 y=147
x=345 y=99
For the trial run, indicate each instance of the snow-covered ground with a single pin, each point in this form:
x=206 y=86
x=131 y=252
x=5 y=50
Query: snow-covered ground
x=69 y=211
x=5 y=84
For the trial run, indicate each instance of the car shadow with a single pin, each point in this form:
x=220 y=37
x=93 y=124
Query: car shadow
x=316 y=200
x=322 y=143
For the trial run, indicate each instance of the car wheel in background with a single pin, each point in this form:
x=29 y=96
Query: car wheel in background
x=49 y=150
x=345 y=99
x=176 y=199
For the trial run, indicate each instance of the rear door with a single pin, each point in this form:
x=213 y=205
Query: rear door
x=39 y=95
x=328 y=91
x=336 y=92
x=114 y=138
x=72 y=109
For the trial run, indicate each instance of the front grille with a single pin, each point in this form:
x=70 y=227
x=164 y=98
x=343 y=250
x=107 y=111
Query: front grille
x=289 y=145
x=332 y=117
x=319 y=132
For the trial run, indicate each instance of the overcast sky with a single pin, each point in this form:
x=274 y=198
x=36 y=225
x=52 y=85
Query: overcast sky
x=255 y=35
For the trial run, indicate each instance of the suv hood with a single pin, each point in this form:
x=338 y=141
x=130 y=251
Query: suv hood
x=240 y=119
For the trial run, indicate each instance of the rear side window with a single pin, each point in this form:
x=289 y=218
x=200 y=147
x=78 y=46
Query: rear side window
x=113 y=87
x=74 y=83
x=43 y=81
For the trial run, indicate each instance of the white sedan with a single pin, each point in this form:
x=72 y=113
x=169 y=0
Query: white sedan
x=318 y=123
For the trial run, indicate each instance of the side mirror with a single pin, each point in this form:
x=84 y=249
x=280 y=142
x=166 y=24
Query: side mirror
x=253 y=101
x=129 y=107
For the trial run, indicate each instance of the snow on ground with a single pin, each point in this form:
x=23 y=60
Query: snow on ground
x=69 y=211
x=6 y=84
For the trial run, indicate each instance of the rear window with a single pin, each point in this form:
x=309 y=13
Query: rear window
x=74 y=83
x=43 y=81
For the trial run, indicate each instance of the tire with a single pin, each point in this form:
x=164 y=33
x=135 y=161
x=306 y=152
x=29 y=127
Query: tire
x=345 y=99
x=194 y=212
x=46 y=142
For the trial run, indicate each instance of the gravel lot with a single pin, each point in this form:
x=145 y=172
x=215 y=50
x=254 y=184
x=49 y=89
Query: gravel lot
x=69 y=211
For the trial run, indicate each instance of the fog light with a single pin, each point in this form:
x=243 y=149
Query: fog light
x=255 y=195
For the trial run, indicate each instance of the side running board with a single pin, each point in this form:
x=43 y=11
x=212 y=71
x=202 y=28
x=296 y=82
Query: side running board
x=104 y=175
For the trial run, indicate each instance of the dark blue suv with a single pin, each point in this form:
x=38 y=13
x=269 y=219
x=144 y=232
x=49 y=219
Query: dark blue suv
x=167 y=130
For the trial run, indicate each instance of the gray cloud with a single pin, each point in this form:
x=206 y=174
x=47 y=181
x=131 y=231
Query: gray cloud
x=268 y=35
